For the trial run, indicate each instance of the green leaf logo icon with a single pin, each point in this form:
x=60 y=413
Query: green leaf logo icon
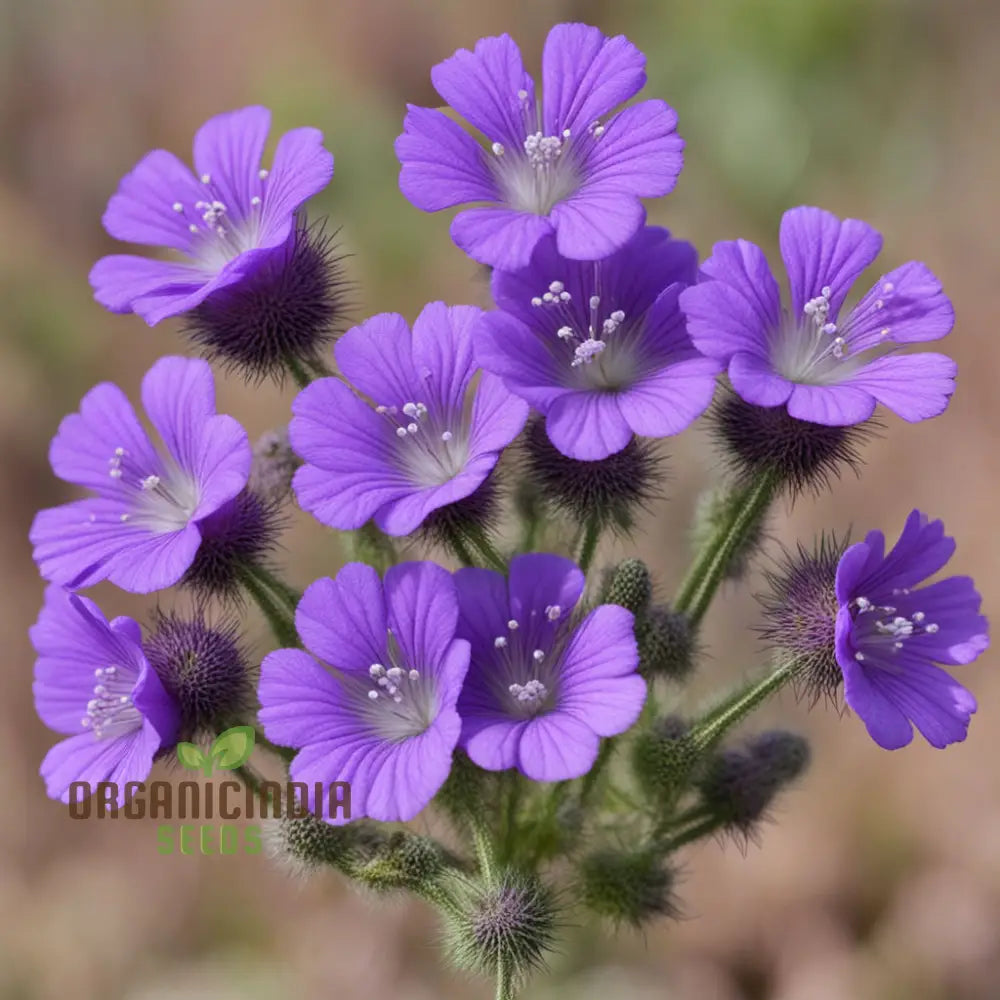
x=232 y=748
x=192 y=758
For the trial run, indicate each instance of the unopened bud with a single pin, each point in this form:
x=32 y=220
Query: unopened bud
x=405 y=861
x=303 y=845
x=628 y=887
x=629 y=586
x=667 y=644
x=663 y=758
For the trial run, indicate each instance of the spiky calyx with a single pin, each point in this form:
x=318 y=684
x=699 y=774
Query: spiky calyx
x=302 y=846
x=629 y=585
x=664 y=758
x=404 y=861
x=204 y=668
x=287 y=310
x=800 y=615
x=717 y=507
x=628 y=887
x=759 y=440
x=739 y=784
x=274 y=465
x=240 y=534
x=667 y=644
x=610 y=492
x=477 y=513
x=509 y=922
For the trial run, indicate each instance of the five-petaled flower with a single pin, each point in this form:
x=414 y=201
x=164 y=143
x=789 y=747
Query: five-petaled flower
x=226 y=219
x=600 y=347
x=890 y=633
x=826 y=367
x=543 y=690
x=374 y=705
x=142 y=530
x=567 y=162
x=94 y=683
x=419 y=445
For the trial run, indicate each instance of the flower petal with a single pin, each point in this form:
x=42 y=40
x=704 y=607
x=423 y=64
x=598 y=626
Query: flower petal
x=422 y=613
x=377 y=358
x=539 y=580
x=441 y=164
x=119 y=279
x=885 y=722
x=585 y=75
x=509 y=349
x=587 y=425
x=756 y=381
x=820 y=250
x=498 y=416
x=839 y=405
x=914 y=386
x=556 y=747
x=301 y=168
x=595 y=222
x=671 y=399
x=499 y=237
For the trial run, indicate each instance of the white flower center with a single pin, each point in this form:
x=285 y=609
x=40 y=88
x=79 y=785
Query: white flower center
x=159 y=503
x=110 y=712
x=881 y=629
x=432 y=448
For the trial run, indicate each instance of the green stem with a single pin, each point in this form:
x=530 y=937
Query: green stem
x=712 y=726
x=253 y=780
x=278 y=617
x=461 y=550
x=287 y=594
x=298 y=371
x=475 y=534
x=505 y=981
x=510 y=837
x=485 y=855
x=708 y=825
x=604 y=754
x=591 y=535
x=709 y=568
x=371 y=545
x=285 y=753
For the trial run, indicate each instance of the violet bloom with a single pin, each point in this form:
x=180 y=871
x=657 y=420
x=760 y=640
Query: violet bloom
x=94 y=683
x=541 y=691
x=417 y=446
x=567 y=163
x=224 y=219
x=374 y=703
x=828 y=368
x=890 y=632
x=143 y=528
x=600 y=347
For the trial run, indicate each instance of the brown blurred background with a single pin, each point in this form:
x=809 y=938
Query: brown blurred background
x=881 y=879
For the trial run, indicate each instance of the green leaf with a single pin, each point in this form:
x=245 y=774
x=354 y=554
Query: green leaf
x=191 y=756
x=233 y=747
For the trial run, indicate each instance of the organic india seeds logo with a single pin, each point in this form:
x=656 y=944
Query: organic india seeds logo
x=227 y=800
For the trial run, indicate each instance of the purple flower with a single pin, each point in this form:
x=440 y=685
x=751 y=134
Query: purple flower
x=142 y=530
x=890 y=632
x=826 y=367
x=418 y=446
x=541 y=692
x=600 y=347
x=378 y=709
x=568 y=164
x=94 y=683
x=225 y=219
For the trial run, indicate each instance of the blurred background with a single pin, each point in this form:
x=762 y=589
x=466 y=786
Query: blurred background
x=881 y=878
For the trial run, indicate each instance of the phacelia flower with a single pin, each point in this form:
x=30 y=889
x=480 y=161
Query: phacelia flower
x=94 y=683
x=541 y=691
x=827 y=365
x=566 y=163
x=417 y=446
x=374 y=703
x=861 y=616
x=225 y=219
x=143 y=529
x=600 y=347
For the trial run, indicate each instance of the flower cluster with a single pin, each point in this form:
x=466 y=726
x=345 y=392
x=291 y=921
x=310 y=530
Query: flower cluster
x=498 y=691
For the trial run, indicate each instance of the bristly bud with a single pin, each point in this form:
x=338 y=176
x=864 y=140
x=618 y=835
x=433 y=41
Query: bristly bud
x=664 y=757
x=302 y=846
x=739 y=785
x=800 y=616
x=629 y=586
x=274 y=464
x=612 y=490
x=287 y=310
x=715 y=508
x=628 y=887
x=511 y=921
x=667 y=644
x=205 y=669
x=766 y=440
x=239 y=535
x=405 y=861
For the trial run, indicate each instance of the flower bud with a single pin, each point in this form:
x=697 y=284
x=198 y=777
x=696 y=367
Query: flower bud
x=274 y=464
x=304 y=845
x=240 y=534
x=761 y=440
x=715 y=508
x=287 y=310
x=629 y=586
x=628 y=887
x=509 y=922
x=404 y=861
x=667 y=644
x=663 y=758
x=612 y=490
x=739 y=784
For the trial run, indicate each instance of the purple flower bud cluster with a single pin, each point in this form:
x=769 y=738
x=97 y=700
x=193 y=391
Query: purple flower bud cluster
x=606 y=336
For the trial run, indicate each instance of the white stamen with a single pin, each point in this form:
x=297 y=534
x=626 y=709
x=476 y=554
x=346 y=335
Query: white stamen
x=446 y=436
x=497 y=148
x=255 y=200
x=206 y=178
x=512 y=625
x=373 y=695
x=150 y=482
x=262 y=174
x=177 y=206
x=538 y=655
x=499 y=642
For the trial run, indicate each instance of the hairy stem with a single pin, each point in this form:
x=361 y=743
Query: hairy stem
x=298 y=372
x=505 y=981
x=280 y=618
x=591 y=536
x=710 y=565
x=475 y=534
